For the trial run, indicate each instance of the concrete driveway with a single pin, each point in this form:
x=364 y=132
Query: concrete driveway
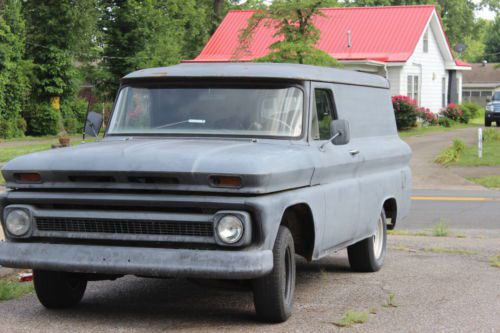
x=428 y=175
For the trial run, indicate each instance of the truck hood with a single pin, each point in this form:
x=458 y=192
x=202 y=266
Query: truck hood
x=168 y=164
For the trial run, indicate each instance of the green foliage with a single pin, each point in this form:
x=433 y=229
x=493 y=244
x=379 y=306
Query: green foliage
x=352 y=317
x=492 y=182
x=73 y=112
x=492 y=42
x=11 y=289
x=472 y=108
x=68 y=31
x=456 y=113
x=297 y=36
x=14 y=70
x=491 y=135
x=42 y=119
x=405 y=111
x=440 y=229
x=150 y=33
x=452 y=153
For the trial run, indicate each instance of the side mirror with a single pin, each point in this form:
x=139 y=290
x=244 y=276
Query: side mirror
x=93 y=124
x=341 y=134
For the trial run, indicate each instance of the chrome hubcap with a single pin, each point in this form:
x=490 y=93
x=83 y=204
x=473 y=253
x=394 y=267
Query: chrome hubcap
x=378 y=238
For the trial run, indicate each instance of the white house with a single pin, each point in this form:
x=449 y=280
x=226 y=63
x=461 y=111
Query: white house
x=406 y=44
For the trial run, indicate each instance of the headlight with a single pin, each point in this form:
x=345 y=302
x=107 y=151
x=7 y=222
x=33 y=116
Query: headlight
x=230 y=229
x=489 y=107
x=18 y=222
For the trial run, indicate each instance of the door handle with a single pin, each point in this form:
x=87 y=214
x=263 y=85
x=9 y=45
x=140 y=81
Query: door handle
x=354 y=152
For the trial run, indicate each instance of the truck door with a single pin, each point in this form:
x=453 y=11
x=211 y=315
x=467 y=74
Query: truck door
x=336 y=171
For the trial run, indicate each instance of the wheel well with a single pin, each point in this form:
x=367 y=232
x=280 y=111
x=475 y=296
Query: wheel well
x=391 y=212
x=299 y=220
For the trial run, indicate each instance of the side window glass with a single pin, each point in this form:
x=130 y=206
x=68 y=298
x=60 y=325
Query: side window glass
x=323 y=113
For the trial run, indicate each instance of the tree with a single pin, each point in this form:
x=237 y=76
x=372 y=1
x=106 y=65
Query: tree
x=66 y=35
x=492 y=49
x=149 y=33
x=14 y=70
x=297 y=36
x=476 y=42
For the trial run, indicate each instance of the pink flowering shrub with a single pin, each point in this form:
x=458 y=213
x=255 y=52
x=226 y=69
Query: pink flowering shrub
x=427 y=117
x=456 y=113
x=405 y=111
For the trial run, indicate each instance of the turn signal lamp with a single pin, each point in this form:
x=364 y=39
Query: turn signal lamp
x=28 y=177
x=226 y=181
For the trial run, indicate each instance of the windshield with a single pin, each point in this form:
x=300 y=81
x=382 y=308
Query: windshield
x=253 y=111
x=496 y=96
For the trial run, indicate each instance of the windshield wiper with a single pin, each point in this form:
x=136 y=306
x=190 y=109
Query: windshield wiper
x=189 y=121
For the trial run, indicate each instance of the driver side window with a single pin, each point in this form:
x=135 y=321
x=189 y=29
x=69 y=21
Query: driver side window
x=323 y=113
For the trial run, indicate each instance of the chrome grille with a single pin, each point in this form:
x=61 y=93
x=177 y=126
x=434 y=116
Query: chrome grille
x=112 y=226
x=496 y=107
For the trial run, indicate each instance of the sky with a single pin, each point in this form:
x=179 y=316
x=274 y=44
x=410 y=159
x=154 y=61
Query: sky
x=484 y=13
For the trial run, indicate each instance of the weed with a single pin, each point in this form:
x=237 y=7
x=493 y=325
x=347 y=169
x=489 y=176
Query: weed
x=450 y=250
x=440 y=229
x=495 y=261
x=13 y=289
x=452 y=153
x=391 y=301
x=491 y=134
x=401 y=248
x=352 y=317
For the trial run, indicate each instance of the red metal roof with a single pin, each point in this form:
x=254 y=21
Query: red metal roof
x=388 y=34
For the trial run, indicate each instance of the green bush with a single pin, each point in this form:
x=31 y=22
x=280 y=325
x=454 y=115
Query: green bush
x=405 y=111
x=455 y=112
x=73 y=112
x=42 y=119
x=472 y=108
x=445 y=122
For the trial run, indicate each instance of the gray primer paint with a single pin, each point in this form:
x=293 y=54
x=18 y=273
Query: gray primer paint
x=344 y=192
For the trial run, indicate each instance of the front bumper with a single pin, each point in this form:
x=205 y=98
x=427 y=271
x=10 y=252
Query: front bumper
x=492 y=115
x=154 y=262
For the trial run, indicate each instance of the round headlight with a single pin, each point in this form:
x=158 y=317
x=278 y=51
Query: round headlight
x=18 y=222
x=230 y=229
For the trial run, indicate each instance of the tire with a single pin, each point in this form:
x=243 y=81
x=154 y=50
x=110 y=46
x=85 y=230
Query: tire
x=487 y=123
x=498 y=123
x=368 y=255
x=58 y=290
x=274 y=293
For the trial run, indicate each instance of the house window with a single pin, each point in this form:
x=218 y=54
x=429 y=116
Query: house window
x=426 y=41
x=486 y=93
x=443 y=92
x=323 y=113
x=413 y=91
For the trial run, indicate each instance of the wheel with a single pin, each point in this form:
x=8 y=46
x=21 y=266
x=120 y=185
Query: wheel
x=487 y=123
x=273 y=294
x=368 y=255
x=58 y=290
x=498 y=123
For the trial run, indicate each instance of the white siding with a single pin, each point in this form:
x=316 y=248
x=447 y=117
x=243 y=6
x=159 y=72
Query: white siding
x=430 y=67
x=394 y=77
x=459 y=85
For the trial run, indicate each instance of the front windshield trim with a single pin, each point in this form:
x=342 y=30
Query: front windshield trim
x=212 y=84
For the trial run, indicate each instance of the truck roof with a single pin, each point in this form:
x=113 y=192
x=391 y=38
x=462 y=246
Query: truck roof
x=260 y=71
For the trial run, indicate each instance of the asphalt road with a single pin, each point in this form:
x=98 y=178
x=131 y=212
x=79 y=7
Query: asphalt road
x=462 y=210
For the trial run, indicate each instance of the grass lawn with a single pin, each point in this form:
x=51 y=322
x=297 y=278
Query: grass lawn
x=479 y=120
x=8 y=153
x=430 y=129
x=2 y=181
x=492 y=182
x=10 y=289
x=491 y=155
